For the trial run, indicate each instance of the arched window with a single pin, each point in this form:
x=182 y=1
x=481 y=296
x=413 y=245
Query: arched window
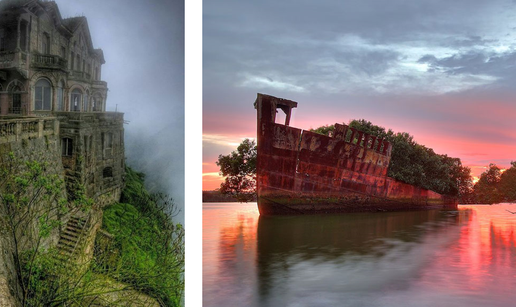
x=60 y=96
x=15 y=103
x=76 y=100
x=43 y=95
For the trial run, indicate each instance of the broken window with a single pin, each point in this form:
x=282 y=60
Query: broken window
x=67 y=147
x=43 y=97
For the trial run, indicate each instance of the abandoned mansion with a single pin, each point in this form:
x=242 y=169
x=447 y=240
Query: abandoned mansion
x=53 y=100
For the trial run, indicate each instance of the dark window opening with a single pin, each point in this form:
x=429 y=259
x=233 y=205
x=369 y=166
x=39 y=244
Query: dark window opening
x=67 y=147
x=16 y=104
x=107 y=172
x=2 y=40
x=86 y=144
x=23 y=35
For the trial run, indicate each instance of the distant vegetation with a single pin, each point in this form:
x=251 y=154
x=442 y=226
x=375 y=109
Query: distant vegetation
x=494 y=186
x=416 y=164
x=217 y=196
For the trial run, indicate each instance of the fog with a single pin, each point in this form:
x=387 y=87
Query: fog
x=143 y=44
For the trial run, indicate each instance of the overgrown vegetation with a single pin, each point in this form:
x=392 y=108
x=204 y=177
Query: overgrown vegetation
x=416 y=164
x=32 y=205
x=149 y=245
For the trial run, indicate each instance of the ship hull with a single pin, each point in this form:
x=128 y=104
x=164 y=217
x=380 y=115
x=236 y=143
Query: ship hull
x=302 y=172
x=347 y=202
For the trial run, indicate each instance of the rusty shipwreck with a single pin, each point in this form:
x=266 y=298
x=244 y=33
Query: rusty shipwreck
x=300 y=172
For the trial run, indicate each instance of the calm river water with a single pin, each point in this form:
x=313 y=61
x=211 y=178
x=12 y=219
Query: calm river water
x=425 y=258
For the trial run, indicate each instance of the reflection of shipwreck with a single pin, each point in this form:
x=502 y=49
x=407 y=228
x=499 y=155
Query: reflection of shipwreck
x=304 y=172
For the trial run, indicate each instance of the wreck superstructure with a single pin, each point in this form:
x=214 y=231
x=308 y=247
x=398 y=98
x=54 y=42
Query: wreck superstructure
x=299 y=171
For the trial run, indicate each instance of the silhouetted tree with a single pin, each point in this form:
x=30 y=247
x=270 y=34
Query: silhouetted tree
x=507 y=185
x=239 y=168
x=486 y=190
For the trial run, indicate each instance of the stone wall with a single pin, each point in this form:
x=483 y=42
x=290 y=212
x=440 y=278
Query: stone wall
x=97 y=158
x=97 y=163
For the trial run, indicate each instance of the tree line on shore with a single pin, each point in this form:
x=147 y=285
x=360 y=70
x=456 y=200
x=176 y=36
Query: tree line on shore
x=411 y=163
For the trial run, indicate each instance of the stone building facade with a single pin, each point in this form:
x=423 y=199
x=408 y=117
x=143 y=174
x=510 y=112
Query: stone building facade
x=50 y=69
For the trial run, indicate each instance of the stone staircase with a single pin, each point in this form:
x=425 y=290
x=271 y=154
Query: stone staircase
x=72 y=239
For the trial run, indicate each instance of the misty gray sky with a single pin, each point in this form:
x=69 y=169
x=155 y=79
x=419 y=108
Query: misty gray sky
x=143 y=44
x=444 y=71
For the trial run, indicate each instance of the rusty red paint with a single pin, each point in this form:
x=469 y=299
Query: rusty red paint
x=300 y=171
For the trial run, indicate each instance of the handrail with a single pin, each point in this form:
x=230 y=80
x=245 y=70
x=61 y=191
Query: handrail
x=14 y=129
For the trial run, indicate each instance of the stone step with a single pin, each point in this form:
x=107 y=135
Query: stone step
x=67 y=243
x=69 y=237
x=78 y=222
x=66 y=248
x=72 y=230
x=75 y=224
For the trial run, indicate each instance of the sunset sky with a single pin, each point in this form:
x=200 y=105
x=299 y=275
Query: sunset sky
x=443 y=71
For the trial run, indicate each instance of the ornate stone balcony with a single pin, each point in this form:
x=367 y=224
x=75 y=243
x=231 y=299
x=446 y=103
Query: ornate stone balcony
x=16 y=128
x=48 y=61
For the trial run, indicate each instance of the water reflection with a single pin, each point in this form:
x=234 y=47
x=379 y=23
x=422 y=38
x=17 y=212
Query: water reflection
x=342 y=256
x=427 y=258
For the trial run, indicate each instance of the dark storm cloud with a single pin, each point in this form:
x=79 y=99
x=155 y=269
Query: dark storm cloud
x=501 y=65
x=336 y=46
